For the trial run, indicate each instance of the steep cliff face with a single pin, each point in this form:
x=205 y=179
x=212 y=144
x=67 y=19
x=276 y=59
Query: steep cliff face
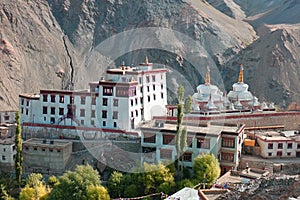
x=53 y=44
x=273 y=74
x=48 y=44
x=31 y=50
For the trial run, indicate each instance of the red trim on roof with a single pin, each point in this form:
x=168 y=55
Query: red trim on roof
x=80 y=128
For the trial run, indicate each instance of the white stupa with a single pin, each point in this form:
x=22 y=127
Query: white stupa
x=240 y=95
x=208 y=96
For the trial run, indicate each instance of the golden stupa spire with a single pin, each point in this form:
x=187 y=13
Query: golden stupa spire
x=146 y=60
x=207 y=77
x=241 y=75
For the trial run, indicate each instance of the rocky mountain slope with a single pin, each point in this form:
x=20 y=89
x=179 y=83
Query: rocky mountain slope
x=55 y=43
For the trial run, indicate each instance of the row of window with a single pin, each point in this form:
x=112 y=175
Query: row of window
x=61 y=99
x=167 y=154
x=202 y=143
x=62 y=110
x=153 y=88
x=42 y=148
x=280 y=146
x=22 y=102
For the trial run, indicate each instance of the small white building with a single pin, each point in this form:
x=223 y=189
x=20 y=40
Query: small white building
x=7 y=153
x=7 y=116
x=120 y=101
x=279 y=144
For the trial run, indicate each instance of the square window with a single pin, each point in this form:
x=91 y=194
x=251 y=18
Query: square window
x=61 y=111
x=93 y=102
x=52 y=110
x=93 y=114
x=115 y=115
x=290 y=145
x=270 y=145
x=116 y=102
x=45 y=96
x=92 y=122
x=71 y=100
x=280 y=145
x=82 y=122
x=82 y=112
x=61 y=99
x=153 y=78
x=104 y=114
x=3 y=158
x=288 y=153
x=52 y=120
x=279 y=153
x=104 y=101
x=269 y=154
x=82 y=100
x=52 y=98
x=45 y=109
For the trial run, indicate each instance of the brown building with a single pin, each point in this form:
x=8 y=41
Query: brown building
x=46 y=156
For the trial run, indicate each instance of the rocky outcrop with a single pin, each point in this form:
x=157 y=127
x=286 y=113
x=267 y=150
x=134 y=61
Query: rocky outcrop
x=54 y=43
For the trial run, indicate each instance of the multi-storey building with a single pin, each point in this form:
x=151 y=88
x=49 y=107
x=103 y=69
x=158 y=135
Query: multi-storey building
x=222 y=140
x=120 y=101
x=279 y=144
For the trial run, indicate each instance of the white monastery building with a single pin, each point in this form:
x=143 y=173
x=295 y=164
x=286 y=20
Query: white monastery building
x=120 y=101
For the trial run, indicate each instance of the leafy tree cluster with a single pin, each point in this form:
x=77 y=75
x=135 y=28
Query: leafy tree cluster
x=155 y=179
x=83 y=183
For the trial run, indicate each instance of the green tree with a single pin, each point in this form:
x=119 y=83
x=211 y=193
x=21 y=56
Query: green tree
x=180 y=94
x=206 y=167
x=188 y=102
x=52 y=181
x=35 y=188
x=18 y=156
x=116 y=184
x=97 y=193
x=131 y=191
x=183 y=144
x=3 y=193
x=74 y=184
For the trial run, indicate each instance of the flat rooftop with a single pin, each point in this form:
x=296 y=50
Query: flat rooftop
x=7 y=141
x=211 y=129
x=47 y=142
x=272 y=135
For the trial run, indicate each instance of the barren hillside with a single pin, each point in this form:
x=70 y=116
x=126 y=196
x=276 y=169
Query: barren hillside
x=55 y=43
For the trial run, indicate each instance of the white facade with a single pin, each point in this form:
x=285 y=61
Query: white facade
x=222 y=140
x=277 y=145
x=7 y=116
x=7 y=151
x=127 y=96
